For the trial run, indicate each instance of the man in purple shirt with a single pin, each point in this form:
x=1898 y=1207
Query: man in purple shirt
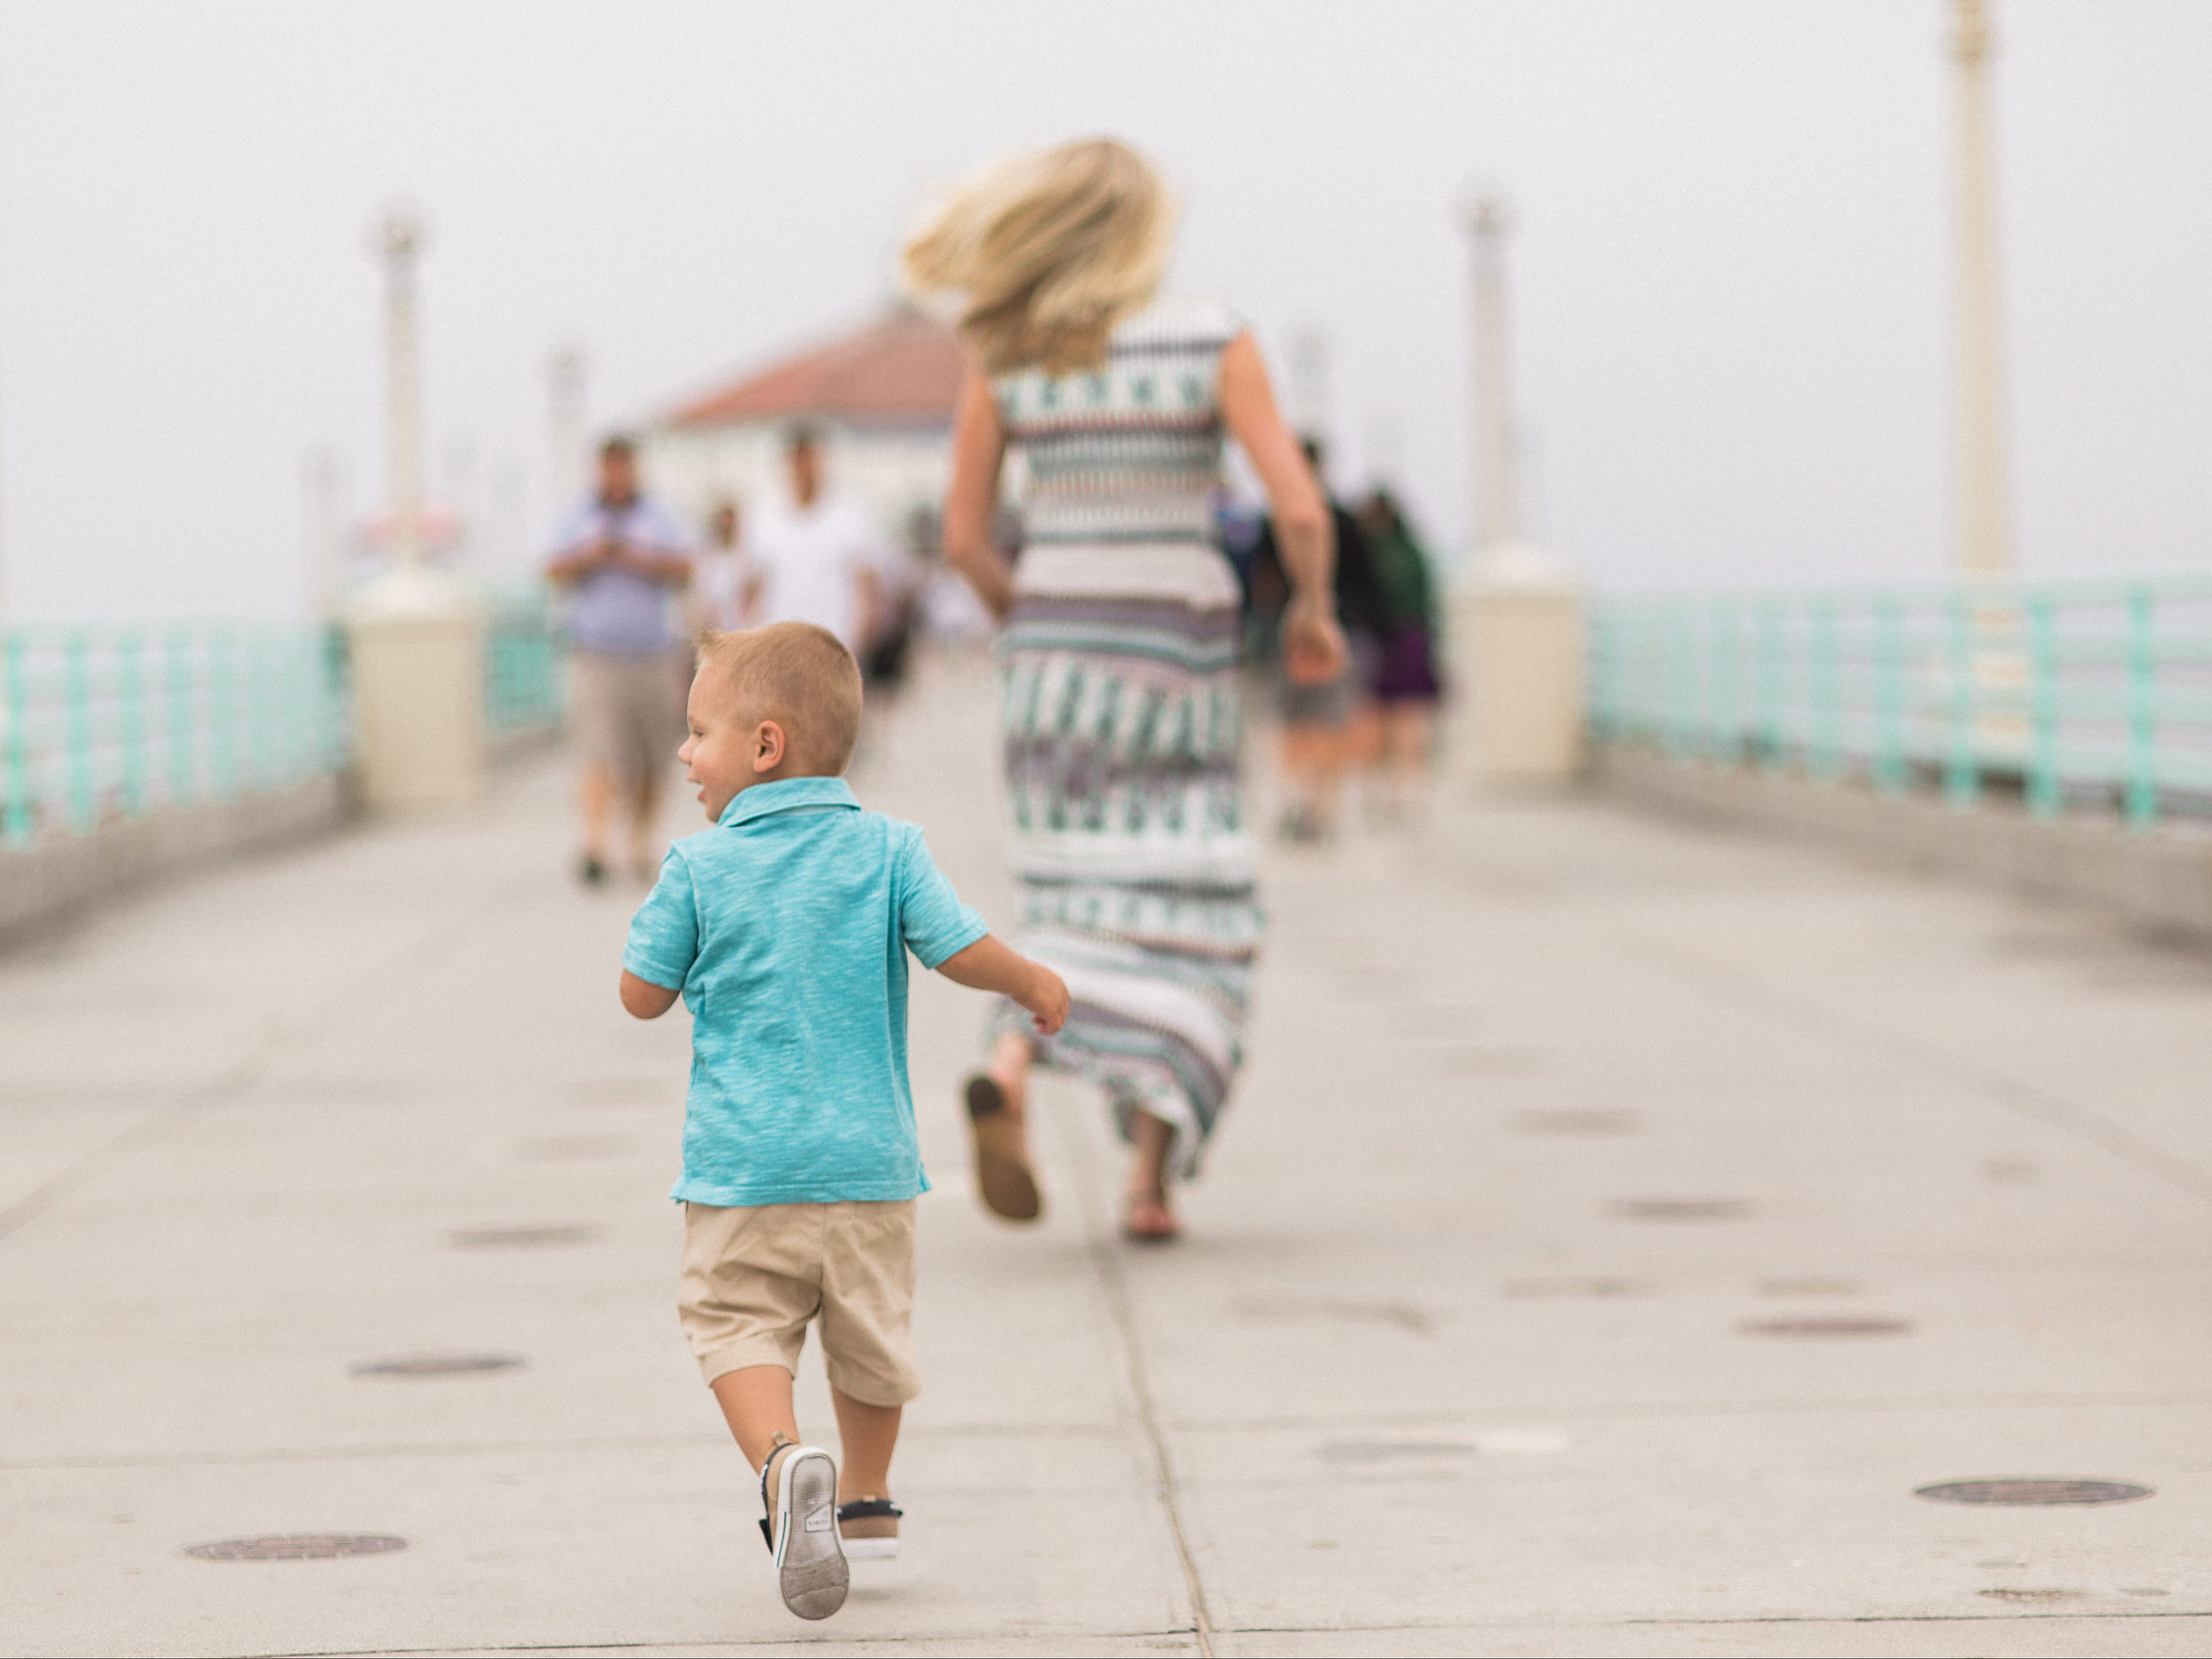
x=622 y=560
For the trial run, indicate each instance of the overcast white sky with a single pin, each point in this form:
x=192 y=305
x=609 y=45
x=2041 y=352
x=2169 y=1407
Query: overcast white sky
x=1729 y=280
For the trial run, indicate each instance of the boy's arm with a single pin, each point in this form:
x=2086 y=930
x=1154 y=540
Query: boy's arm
x=664 y=942
x=988 y=965
x=644 y=999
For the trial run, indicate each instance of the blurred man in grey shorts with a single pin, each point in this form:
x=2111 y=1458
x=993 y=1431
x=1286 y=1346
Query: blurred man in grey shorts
x=623 y=561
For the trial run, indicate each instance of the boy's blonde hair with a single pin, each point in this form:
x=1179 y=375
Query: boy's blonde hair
x=797 y=674
x=1051 y=250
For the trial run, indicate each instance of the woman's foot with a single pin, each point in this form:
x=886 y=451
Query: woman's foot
x=1146 y=1219
x=996 y=1124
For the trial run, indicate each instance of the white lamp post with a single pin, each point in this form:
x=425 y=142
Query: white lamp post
x=1981 y=551
x=1493 y=520
x=565 y=428
x=1516 y=633
x=416 y=638
x=399 y=237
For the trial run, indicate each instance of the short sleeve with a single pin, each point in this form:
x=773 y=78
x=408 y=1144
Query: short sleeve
x=931 y=918
x=665 y=933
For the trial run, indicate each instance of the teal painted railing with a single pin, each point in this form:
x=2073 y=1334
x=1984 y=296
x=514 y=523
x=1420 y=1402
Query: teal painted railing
x=522 y=667
x=2081 y=695
x=117 y=720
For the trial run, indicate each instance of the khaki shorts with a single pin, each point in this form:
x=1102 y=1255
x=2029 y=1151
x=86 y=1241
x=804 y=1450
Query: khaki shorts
x=754 y=1278
x=628 y=712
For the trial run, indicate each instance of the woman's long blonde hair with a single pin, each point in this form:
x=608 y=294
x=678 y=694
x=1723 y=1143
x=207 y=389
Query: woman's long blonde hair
x=1050 y=251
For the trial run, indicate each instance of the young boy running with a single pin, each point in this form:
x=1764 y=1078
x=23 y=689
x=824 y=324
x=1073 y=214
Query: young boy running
x=785 y=928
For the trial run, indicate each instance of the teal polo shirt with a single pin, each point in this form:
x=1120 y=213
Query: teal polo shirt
x=786 y=927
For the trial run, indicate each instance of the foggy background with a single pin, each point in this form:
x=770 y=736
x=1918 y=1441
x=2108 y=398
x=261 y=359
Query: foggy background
x=1730 y=278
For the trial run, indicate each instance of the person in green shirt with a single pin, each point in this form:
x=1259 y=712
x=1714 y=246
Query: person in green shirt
x=1405 y=684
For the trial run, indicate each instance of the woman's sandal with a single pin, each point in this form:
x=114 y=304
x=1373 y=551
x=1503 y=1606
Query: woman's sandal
x=1148 y=1220
x=1003 y=1175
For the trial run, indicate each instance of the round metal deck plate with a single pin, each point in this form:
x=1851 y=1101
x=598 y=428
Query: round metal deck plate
x=438 y=1365
x=297 y=1546
x=521 y=1237
x=2043 y=1491
x=1683 y=1209
x=1845 y=1325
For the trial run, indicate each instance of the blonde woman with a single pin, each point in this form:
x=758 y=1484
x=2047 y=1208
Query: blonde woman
x=1120 y=712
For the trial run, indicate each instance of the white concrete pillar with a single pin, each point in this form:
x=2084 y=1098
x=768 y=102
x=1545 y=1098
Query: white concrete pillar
x=415 y=642
x=1518 y=650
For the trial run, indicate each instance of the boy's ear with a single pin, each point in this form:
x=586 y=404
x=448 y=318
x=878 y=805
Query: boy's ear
x=768 y=746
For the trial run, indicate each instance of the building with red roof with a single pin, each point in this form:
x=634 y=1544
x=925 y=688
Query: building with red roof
x=881 y=398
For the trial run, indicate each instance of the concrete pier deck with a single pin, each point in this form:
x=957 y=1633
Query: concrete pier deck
x=1616 y=1226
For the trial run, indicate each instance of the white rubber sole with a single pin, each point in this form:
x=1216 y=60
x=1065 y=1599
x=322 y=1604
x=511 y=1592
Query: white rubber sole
x=871 y=1549
x=810 y=1563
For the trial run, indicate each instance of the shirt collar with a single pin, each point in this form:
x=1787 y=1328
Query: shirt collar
x=786 y=794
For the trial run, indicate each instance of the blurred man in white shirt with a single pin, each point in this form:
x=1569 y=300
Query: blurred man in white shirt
x=722 y=573
x=815 y=556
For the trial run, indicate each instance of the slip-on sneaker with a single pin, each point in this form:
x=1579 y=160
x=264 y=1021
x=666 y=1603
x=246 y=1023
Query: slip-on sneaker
x=1003 y=1175
x=869 y=1527
x=798 y=1489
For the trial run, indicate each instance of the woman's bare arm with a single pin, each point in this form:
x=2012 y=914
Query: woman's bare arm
x=1303 y=536
x=971 y=501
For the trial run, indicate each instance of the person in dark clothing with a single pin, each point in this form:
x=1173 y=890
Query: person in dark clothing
x=1318 y=720
x=1406 y=687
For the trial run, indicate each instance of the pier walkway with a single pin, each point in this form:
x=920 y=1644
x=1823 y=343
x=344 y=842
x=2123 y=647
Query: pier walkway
x=1617 y=1226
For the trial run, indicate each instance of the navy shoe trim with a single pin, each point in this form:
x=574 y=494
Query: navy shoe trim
x=868 y=1509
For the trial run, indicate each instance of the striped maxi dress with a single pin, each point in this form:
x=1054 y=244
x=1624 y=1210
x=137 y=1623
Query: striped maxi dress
x=1120 y=722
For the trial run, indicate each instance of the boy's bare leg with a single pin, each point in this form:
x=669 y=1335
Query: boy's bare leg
x=1407 y=726
x=1312 y=763
x=1147 y=1215
x=594 y=801
x=867 y=1436
x=757 y=1403
x=644 y=808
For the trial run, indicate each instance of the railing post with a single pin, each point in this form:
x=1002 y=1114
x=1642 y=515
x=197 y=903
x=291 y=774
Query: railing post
x=1680 y=656
x=1961 y=773
x=222 y=712
x=179 y=725
x=1826 y=688
x=334 y=721
x=16 y=796
x=1889 y=694
x=2043 y=704
x=1706 y=686
x=1604 y=694
x=84 y=811
x=1769 y=682
x=259 y=746
x=1725 y=740
x=130 y=696
x=2142 y=788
